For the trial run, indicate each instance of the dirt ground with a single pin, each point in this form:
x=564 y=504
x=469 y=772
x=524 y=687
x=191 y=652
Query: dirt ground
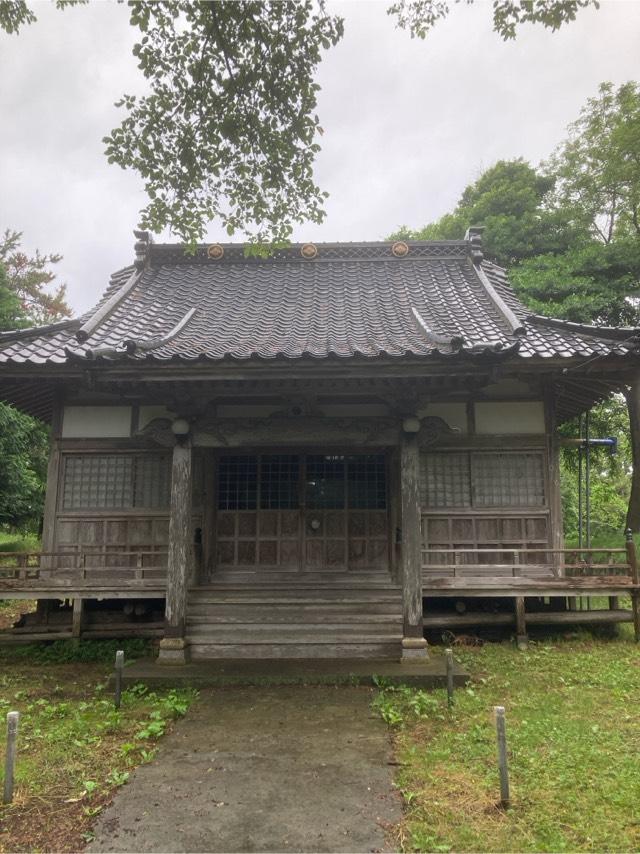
x=262 y=769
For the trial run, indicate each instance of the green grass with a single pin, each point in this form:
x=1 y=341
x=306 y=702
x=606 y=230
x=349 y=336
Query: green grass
x=574 y=751
x=74 y=747
x=12 y=542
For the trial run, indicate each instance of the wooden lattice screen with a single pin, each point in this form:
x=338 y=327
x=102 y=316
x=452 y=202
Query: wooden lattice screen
x=116 y=481
x=482 y=479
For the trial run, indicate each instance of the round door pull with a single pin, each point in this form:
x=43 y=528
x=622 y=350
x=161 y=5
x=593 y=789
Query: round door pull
x=315 y=524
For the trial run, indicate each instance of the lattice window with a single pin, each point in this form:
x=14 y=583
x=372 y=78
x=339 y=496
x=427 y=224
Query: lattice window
x=238 y=483
x=507 y=480
x=279 y=482
x=445 y=480
x=481 y=479
x=366 y=482
x=116 y=482
x=152 y=482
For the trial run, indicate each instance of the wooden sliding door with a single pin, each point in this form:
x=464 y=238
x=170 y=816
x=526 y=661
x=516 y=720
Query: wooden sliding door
x=298 y=511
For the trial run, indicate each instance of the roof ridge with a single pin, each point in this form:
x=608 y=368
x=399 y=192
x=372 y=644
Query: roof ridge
x=45 y=329
x=613 y=333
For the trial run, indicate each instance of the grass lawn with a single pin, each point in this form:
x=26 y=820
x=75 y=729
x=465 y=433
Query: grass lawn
x=573 y=727
x=74 y=748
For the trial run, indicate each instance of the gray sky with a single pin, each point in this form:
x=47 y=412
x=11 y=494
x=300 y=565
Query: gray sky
x=408 y=124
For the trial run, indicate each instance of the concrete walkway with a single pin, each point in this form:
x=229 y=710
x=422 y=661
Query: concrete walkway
x=262 y=769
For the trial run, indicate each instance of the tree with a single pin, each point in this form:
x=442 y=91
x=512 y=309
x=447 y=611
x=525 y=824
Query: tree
x=23 y=468
x=229 y=129
x=508 y=199
x=31 y=281
x=10 y=312
x=592 y=283
x=597 y=168
x=28 y=296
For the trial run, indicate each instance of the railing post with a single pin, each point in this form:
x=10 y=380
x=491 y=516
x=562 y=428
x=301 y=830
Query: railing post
x=632 y=560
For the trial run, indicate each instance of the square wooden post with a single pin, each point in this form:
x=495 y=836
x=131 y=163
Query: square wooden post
x=632 y=560
x=77 y=616
x=173 y=646
x=413 y=643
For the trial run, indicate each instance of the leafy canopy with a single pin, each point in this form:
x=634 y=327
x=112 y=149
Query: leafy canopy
x=420 y=16
x=36 y=298
x=228 y=130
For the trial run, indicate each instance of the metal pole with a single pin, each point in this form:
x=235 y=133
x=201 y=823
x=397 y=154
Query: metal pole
x=448 y=653
x=501 y=734
x=580 y=493
x=587 y=489
x=118 y=677
x=587 y=479
x=13 y=719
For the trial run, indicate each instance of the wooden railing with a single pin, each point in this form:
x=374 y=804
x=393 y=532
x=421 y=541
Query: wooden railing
x=519 y=562
x=84 y=567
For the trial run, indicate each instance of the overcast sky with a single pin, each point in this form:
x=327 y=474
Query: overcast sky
x=407 y=123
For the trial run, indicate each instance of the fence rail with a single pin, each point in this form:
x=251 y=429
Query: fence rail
x=82 y=567
x=523 y=562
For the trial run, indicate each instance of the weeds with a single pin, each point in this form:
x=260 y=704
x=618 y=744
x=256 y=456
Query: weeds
x=74 y=749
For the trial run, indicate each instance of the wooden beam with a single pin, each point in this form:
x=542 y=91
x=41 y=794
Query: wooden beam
x=553 y=480
x=413 y=644
x=180 y=555
x=78 y=613
x=53 y=478
x=521 y=624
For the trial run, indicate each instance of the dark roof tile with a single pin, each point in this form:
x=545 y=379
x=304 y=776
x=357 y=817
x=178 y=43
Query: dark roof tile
x=352 y=299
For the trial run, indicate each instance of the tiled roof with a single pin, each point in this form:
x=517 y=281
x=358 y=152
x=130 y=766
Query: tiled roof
x=361 y=299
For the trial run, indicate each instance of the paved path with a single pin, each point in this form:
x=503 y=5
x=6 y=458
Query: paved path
x=262 y=769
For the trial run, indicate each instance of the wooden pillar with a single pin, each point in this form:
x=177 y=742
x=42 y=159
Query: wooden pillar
x=522 y=639
x=173 y=647
x=632 y=395
x=413 y=643
x=632 y=559
x=51 y=496
x=78 y=613
x=556 y=533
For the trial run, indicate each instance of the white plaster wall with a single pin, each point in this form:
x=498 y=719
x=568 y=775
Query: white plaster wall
x=512 y=418
x=96 y=422
x=455 y=414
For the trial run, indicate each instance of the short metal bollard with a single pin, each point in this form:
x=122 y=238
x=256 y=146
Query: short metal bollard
x=13 y=720
x=448 y=654
x=501 y=734
x=118 y=677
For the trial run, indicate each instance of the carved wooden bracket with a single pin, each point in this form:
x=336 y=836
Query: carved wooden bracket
x=281 y=429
